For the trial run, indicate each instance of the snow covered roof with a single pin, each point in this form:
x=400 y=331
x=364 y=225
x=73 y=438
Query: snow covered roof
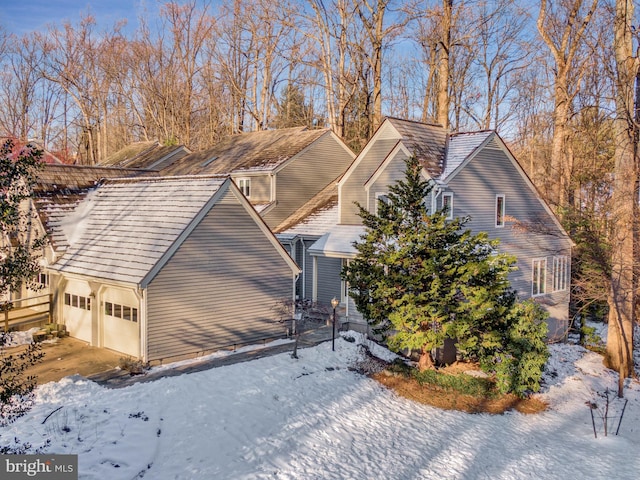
x=316 y=217
x=59 y=189
x=461 y=145
x=316 y=224
x=121 y=229
x=338 y=242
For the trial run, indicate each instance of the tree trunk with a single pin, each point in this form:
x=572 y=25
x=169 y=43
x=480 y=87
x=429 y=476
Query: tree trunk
x=425 y=362
x=444 y=66
x=619 y=355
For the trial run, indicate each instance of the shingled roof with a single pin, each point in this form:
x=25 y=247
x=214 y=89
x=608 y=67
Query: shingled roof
x=427 y=142
x=147 y=155
x=59 y=188
x=121 y=229
x=254 y=151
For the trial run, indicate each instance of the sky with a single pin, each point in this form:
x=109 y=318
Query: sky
x=314 y=418
x=22 y=16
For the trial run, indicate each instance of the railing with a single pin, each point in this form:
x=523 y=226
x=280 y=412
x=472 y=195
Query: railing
x=22 y=315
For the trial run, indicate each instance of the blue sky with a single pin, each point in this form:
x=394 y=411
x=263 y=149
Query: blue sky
x=22 y=16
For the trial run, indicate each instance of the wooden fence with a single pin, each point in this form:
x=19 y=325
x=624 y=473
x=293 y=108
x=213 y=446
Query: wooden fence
x=22 y=312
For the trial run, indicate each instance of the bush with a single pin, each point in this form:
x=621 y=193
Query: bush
x=16 y=388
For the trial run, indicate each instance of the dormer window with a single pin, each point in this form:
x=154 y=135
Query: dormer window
x=244 y=184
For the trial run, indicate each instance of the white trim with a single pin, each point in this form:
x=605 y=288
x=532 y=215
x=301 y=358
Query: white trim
x=244 y=185
x=561 y=278
x=541 y=282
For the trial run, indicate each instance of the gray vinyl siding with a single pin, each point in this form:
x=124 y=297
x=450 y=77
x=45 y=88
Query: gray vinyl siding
x=329 y=281
x=394 y=171
x=475 y=188
x=352 y=189
x=218 y=289
x=260 y=187
x=308 y=173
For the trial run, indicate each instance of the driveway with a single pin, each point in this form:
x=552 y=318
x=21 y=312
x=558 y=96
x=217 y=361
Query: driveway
x=69 y=356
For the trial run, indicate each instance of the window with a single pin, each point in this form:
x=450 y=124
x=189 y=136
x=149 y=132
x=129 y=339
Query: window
x=500 y=210
x=447 y=205
x=121 y=311
x=539 y=277
x=560 y=273
x=244 y=184
x=77 y=301
x=43 y=279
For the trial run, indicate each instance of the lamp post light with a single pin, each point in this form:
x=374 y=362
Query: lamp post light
x=334 y=304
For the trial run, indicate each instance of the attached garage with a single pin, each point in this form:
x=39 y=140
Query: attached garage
x=170 y=267
x=77 y=309
x=120 y=320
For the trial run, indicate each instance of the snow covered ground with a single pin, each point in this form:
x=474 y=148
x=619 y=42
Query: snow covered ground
x=313 y=418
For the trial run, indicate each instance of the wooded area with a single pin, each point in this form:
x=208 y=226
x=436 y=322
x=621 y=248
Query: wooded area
x=557 y=80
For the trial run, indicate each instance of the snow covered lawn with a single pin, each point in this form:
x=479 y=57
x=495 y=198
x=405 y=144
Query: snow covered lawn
x=313 y=418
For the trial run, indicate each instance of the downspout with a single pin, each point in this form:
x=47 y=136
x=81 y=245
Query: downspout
x=142 y=323
x=314 y=292
x=293 y=292
x=304 y=269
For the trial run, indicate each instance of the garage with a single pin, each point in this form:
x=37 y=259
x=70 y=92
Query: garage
x=120 y=320
x=77 y=309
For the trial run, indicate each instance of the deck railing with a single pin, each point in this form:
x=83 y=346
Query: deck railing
x=16 y=313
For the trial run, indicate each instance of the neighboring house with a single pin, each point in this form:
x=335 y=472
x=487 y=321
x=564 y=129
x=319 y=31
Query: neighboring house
x=160 y=268
x=475 y=175
x=146 y=155
x=47 y=157
x=277 y=170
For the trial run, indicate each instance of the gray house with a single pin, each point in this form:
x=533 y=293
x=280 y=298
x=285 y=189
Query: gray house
x=161 y=268
x=277 y=170
x=473 y=174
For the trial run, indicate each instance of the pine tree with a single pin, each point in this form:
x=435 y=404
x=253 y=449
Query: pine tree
x=420 y=278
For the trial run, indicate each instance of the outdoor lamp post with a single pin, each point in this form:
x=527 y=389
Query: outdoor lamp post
x=334 y=304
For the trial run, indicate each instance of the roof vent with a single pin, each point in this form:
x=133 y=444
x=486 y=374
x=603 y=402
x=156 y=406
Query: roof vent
x=207 y=162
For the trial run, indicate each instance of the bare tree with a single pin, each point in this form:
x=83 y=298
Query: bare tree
x=562 y=28
x=499 y=54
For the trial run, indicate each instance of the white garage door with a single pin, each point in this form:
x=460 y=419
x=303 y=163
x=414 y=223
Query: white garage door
x=77 y=308
x=121 y=323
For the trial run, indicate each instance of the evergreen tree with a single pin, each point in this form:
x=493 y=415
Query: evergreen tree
x=420 y=278
x=293 y=111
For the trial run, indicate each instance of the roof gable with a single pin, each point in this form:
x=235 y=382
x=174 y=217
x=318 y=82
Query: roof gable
x=427 y=142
